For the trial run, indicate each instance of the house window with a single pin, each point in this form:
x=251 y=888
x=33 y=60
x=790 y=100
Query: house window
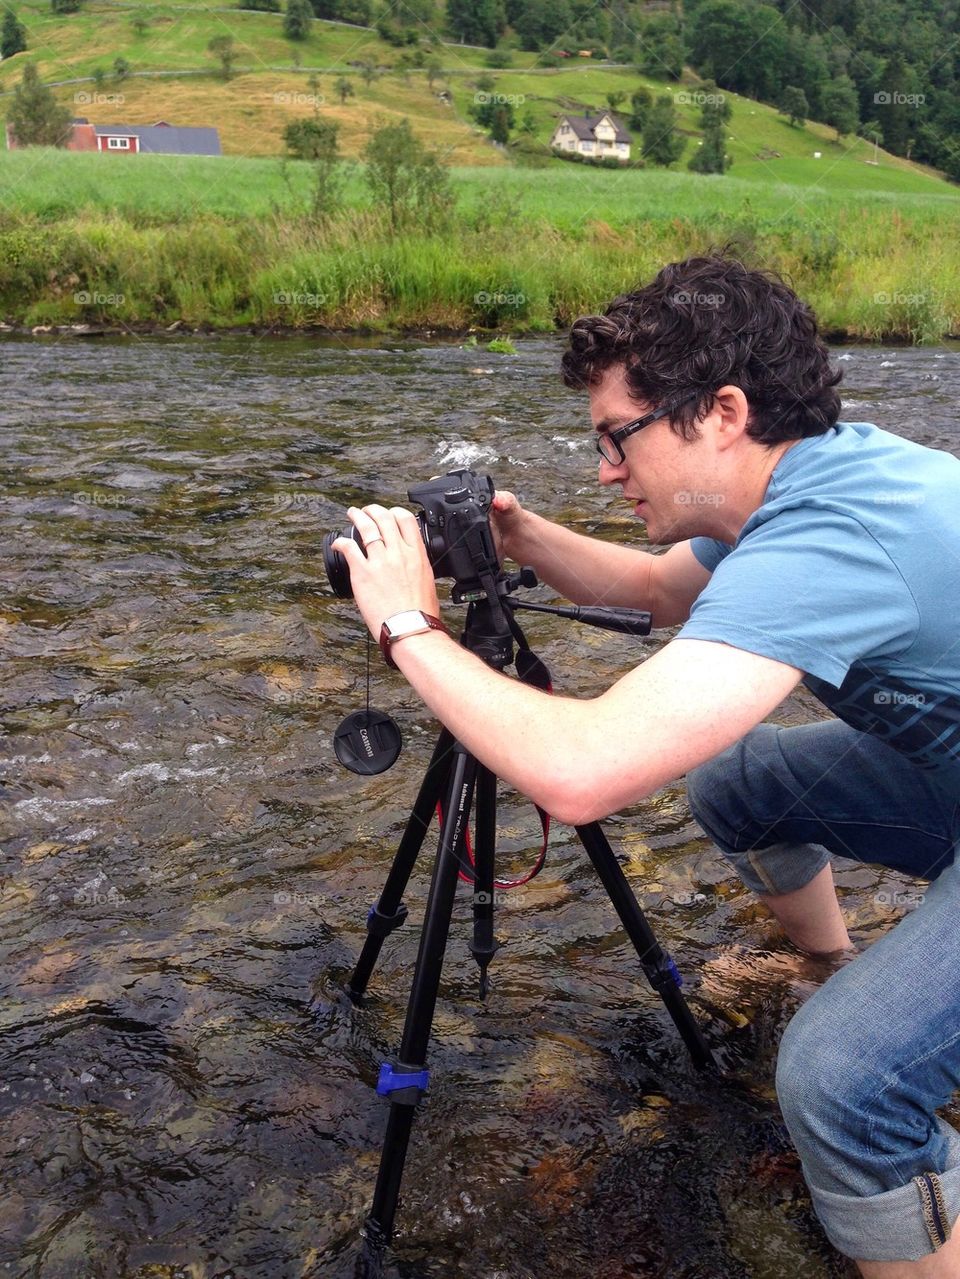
x=118 y=144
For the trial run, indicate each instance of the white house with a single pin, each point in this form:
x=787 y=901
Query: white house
x=592 y=135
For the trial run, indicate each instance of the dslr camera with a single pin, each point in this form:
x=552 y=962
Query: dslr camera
x=455 y=527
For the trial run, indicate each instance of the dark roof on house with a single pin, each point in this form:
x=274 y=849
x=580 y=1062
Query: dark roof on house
x=166 y=139
x=584 y=126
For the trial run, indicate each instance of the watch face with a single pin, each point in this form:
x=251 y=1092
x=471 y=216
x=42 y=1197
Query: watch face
x=402 y=623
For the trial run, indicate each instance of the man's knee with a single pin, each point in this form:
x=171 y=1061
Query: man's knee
x=711 y=793
x=824 y=1087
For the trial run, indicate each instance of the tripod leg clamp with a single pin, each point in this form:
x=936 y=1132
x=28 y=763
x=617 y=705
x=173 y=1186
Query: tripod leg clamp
x=402 y=1085
x=664 y=973
x=379 y=925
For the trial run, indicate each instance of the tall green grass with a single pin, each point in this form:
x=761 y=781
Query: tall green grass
x=154 y=243
x=871 y=281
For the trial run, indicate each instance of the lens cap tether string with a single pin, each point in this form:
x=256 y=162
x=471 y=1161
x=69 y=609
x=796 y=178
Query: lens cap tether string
x=367 y=741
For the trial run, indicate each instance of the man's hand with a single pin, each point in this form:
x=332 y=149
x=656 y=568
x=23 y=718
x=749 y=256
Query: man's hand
x=506 y=521
x=395 y=574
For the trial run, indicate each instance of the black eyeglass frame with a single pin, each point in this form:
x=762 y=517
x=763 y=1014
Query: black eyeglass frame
x=621 y=433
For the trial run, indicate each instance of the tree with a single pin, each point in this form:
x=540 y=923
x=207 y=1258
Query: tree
x=742 y=46
x=542 y=22
x=223 y=49
x=99 y=78
x=711 y=156
x=309 y=138
x=615 y=100
x=794 y=105
x=641 y=101
x=35 y=117
x=64 y=6
x=840 y=106
x=502 y=123
x=369 y=73
x=263 y=6
x=121 y=68
x=434 y=69
x=13 y=37
x=405 y=178
x=345 y=89
x=141 y=25
x=660 y=50
x=661 y=142
x=493 y=110
x=317 y=140
x=715 y=110
x=297 y=19
x=476 y=21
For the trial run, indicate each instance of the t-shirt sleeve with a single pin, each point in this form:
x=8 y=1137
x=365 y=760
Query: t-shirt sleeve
x=811 y=588
x=709 y=551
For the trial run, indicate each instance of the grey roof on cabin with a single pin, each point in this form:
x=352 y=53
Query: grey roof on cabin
x=584 y=126
x=166 y=139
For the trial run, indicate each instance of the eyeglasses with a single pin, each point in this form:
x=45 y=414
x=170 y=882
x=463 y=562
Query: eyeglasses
x=608 y=442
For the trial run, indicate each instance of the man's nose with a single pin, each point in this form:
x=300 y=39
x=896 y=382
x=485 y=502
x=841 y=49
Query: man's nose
x=609 y=472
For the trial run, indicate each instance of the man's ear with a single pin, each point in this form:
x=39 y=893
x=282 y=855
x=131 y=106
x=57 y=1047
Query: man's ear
x=731 y=412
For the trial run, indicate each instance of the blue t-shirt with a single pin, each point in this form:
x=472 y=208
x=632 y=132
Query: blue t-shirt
x=850 y=571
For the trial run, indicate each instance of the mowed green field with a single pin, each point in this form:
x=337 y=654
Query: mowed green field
x=150 y=188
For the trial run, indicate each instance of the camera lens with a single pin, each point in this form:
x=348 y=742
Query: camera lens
x=336 y=566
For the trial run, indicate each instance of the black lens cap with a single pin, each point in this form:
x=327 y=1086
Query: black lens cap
x=367 y=742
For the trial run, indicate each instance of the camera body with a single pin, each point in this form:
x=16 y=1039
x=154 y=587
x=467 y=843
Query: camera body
x=455 y=527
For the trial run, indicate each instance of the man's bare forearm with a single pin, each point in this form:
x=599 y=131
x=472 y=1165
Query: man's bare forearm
x=583 y=569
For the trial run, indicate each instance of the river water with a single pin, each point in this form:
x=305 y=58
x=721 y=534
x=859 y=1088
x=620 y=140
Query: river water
x=186 y=869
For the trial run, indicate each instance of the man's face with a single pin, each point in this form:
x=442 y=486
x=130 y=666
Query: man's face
x=664 y=477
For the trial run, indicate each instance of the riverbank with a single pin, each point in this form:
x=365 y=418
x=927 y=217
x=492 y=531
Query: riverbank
x=523 y=253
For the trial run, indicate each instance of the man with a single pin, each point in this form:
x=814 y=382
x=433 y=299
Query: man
x=800 y=549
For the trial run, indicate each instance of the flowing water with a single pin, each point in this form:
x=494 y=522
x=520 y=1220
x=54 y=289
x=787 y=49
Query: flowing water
x=186 y=868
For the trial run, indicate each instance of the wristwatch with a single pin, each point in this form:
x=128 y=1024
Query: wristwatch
x=411 y=622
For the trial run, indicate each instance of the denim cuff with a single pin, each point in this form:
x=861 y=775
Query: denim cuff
x=778 y=868
x=903 y=1224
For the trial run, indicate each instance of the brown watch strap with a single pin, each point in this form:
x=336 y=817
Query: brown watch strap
x=387 y=640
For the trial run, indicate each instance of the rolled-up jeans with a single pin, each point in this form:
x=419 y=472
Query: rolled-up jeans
x=866 y=1062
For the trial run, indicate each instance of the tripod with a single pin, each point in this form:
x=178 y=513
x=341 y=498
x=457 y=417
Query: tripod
x=455 y=779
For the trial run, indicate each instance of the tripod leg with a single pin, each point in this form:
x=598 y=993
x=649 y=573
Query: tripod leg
x=484 y=947
x=660 y=969
x=389 y=912
x=405 y=1080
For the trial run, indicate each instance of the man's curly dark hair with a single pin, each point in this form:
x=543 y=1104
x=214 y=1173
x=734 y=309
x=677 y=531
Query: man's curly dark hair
x=708 y=322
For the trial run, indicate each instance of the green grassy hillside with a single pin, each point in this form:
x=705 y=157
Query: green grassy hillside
x=274 y=86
